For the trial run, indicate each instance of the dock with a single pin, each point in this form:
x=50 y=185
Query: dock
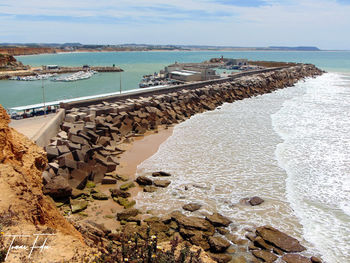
x=59 y=70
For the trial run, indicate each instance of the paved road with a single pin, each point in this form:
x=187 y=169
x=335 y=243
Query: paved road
x=29 y=127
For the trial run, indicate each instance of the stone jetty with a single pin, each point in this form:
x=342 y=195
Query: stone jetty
x=86 y=148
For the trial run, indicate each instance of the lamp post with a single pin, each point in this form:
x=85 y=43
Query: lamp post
x=42 y=86
x=120 y=81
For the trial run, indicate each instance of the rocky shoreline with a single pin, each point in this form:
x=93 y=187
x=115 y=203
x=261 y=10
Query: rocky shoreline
x=87 y=150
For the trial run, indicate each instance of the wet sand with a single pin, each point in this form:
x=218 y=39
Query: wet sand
x=136 y=151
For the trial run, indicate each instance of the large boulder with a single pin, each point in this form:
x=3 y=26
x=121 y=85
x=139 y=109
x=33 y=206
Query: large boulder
x=200 y=240
x=279 y=239
x=78 y=178
x=255 y=200
x=218 y=244
x=161 y=183
x=143 y=180
x=58 y=187
x=52 y=152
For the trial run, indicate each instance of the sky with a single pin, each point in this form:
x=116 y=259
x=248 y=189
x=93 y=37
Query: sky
x=249 y=23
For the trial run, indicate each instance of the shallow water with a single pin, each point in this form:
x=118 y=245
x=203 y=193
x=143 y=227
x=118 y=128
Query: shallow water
x=290 y=147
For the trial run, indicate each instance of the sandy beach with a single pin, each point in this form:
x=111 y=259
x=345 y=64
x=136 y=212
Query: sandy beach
x=137 y=150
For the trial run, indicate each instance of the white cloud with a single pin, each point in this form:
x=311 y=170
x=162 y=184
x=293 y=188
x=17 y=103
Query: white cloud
x=301 y=22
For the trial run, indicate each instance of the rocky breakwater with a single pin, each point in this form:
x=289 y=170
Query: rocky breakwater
x=87 y=148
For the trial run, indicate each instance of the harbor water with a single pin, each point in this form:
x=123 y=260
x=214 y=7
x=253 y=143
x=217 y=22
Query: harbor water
x=290 y=147
x=136 y=65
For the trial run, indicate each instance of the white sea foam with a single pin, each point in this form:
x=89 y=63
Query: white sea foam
x=316 y=155
x=235 y=152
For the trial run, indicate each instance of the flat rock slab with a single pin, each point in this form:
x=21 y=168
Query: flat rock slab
x=127 y=186
x=191 y=222
x=99 y=196
x=125 y=202
x=295 y=258
x=119 y=193
x=162 y=183
x=109 y=180
x=160 y=173
x=149 y=189
x=279 y=239
x=78 y=205
x=239 y=259
x=192 y=207
x=264 y=255
x=124 y=215
x=218 y=220
x=220 y=258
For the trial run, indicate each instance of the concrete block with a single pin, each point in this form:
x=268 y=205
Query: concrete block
x=78 y=179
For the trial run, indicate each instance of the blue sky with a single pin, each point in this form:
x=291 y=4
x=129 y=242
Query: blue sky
x=322 y=23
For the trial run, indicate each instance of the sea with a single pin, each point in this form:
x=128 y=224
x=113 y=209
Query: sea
x=290 y=147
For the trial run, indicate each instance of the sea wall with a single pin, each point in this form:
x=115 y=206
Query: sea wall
x=165 y=90
x=86 y=148
x=43 y=136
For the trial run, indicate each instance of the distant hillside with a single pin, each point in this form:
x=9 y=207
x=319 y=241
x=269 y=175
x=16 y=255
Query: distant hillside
x=295 y=48
x=16 y=49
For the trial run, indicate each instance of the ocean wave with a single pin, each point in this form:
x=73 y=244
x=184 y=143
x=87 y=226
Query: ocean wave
x=315 y=153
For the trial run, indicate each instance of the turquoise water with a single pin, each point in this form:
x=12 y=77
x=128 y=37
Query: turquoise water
x=135 y=65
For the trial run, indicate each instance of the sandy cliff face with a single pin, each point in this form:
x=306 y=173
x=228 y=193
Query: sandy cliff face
x=8 y=62
x=16 y=51
x=23 y=207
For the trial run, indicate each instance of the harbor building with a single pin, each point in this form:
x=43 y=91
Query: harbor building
x=190 y=72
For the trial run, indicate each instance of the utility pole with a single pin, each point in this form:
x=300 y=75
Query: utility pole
x=42 y=86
